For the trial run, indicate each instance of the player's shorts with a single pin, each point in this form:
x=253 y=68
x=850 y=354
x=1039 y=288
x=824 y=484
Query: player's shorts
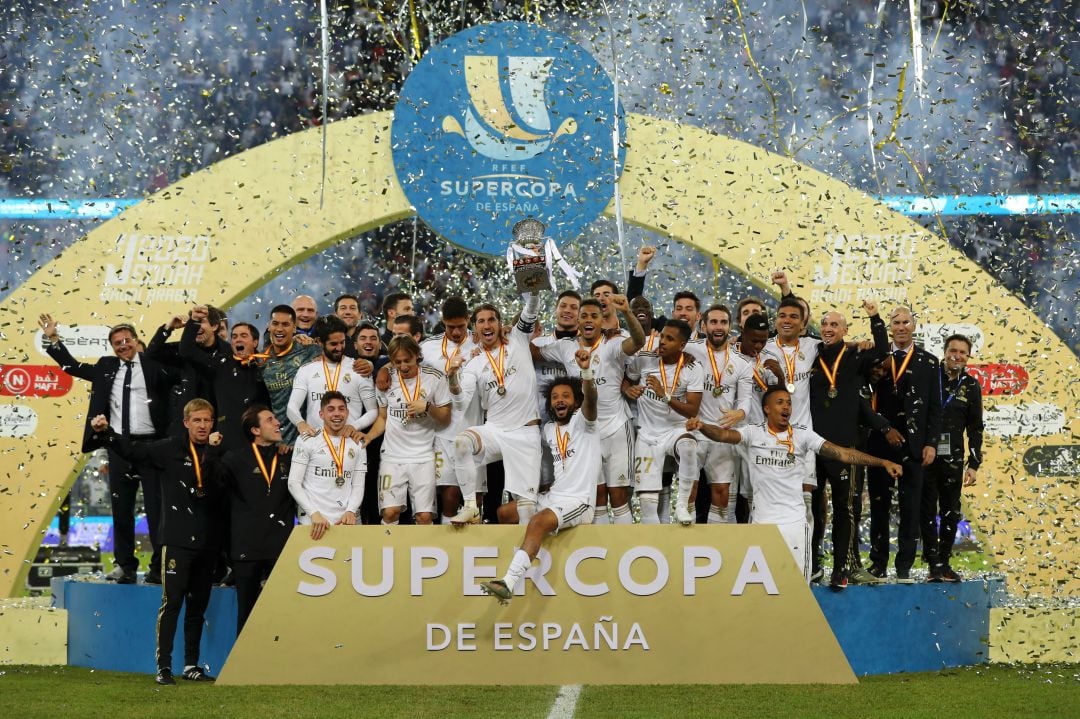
x=416 y=479
x=649 y=456
x=617 y=457
x=519 y=450
x=571 y=511
x=445 y=474
x=718 y=459
x=797 y=537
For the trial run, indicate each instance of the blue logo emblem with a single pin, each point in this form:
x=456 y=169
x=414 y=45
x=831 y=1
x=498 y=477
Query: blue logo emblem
x=500 y=123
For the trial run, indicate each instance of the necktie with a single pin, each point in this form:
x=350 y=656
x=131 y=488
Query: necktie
x=125 y=403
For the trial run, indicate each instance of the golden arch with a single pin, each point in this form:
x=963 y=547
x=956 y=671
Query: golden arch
x=226 y=230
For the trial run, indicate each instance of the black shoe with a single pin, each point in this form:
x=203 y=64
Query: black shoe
x=128 y=578
x=816 y=575
x=838 y=581
x=196 y=674
x=948 y=575
x=152 y=577
x=878 y=570
x=164 y=677
x=935 y=573
x=904 y=577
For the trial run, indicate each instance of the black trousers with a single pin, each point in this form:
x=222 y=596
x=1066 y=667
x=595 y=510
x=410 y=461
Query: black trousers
x=186 y=582
x=124 y=481
x=909 y=500
x=369 y=508
x=940 y=496
x=858 y=481
x=248 y=576
x=841 y=488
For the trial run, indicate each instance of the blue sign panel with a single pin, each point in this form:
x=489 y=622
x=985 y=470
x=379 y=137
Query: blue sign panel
x=500 y=123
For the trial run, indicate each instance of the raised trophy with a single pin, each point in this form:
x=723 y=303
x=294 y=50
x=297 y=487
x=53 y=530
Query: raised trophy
x=526 y=256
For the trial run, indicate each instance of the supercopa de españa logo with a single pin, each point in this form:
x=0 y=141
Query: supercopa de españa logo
x=502 y=122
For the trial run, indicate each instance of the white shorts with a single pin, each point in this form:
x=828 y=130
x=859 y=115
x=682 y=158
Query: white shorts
x=617 y=456
x=718 y=459
x=649 y=456
x=797 y=537
x=519 y=450
x=571 y=511
x=416 y=479
x=445 y=475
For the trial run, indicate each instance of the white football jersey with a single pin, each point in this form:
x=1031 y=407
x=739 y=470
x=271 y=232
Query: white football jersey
x=656 y=418
x=314 y=472
x=547 y=371
x=516 y=407
x=733 y=389
x=797 y=363
x=316 y=378
x=578 y=468
x=609 y=365
x=776 y=473
x=414 y=440
x=436 y=352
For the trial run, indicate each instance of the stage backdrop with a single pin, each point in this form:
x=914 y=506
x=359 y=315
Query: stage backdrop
x=220 y=233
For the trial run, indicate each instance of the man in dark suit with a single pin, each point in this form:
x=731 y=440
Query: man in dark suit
x=131 y=390
x=909 y=396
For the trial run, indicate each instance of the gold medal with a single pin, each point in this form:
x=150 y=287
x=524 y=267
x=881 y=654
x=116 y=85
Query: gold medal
x=340 y=481
x=197 y=466
x=268 y=476
x=499 y=369
x=675 y=379
x=338 y=455
x=832 y=393
x=789 y=365
x=409 y=398
x=448 y=357
x=718 y=374
x=562 y=441
x=830 y=374
x=331 y=384
x=717 y=391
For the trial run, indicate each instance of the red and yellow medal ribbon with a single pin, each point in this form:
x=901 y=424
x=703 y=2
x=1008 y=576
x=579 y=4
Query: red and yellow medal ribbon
x=282 y=354
x=268 y=476
x=498 y=367
x=789 y=442
x=830 y=374
x=789 y=362
x=599 y=341
x=331 y=384
x=718 y=374
x=449 y=357
x=337 y=454
x=897 y=374
x=650 y=340
x=675 y=380
x=409 y=398
x=195 y=464
x=757 y=375
x=563 y=442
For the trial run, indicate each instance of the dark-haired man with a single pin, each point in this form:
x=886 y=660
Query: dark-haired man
x=774 y=453
x=193 y=381
x=394 y=304
x=670 y=383
x=347 y=309
x=407 y=325
x=572 y=436
x=285 y=356
x=961 y=414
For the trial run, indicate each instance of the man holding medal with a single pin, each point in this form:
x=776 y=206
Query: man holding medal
x=191 y=527
x=835 y=406
x=668 y=393
x=414 y=406
x=725 y=403
x=775 y=452
x=327 y=474
x=261 y=510
x=909 y=396
x=573 y=435
x=502 y=376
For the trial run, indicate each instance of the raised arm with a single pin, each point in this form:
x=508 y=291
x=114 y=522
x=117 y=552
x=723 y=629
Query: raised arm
x=588 y=384
x=636 y=340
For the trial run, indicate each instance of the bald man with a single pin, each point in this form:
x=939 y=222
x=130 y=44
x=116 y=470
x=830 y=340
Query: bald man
x=306 y=314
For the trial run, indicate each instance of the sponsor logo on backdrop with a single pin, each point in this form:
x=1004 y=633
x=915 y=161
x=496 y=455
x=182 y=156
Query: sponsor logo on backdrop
x=1031 y=419
x=17 y=421
x=156 y=268
x=502 y=122
x=999 y=379
x=932 y=336
x=33 y=381
x=877 y=266
x=83 y=342
x=1053 y=460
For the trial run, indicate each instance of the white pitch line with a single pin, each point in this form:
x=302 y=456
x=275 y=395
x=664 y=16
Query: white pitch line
x=565 y=702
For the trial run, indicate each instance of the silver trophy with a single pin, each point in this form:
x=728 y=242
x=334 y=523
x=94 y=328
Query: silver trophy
x=528 y=261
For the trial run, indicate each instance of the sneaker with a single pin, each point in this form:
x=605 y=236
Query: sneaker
x=683 y=516
x=948 y=575
x=935 y=574
x=128 y=578
x=497 y=588
x=116 y=573
x=196 y=674
x=467 y=515
x=817 y=574
x=861 y=576
x=878 y=570
x=152 y=576
x=164 y=677
x=838 y=581
x=904 y=577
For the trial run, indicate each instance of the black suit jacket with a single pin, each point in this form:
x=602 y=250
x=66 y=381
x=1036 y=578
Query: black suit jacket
x=101 y=374
x=918 y=395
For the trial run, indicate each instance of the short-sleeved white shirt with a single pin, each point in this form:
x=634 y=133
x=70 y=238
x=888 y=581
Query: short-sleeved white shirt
x=413 y=441
x=576 y=474
x=309 y=385
x=313 y=475
x=758 y=374
x=608 y=363
x=802 y=358
x=656 y=418
x=517 y=407
x=736 y=380
x=776 y=479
